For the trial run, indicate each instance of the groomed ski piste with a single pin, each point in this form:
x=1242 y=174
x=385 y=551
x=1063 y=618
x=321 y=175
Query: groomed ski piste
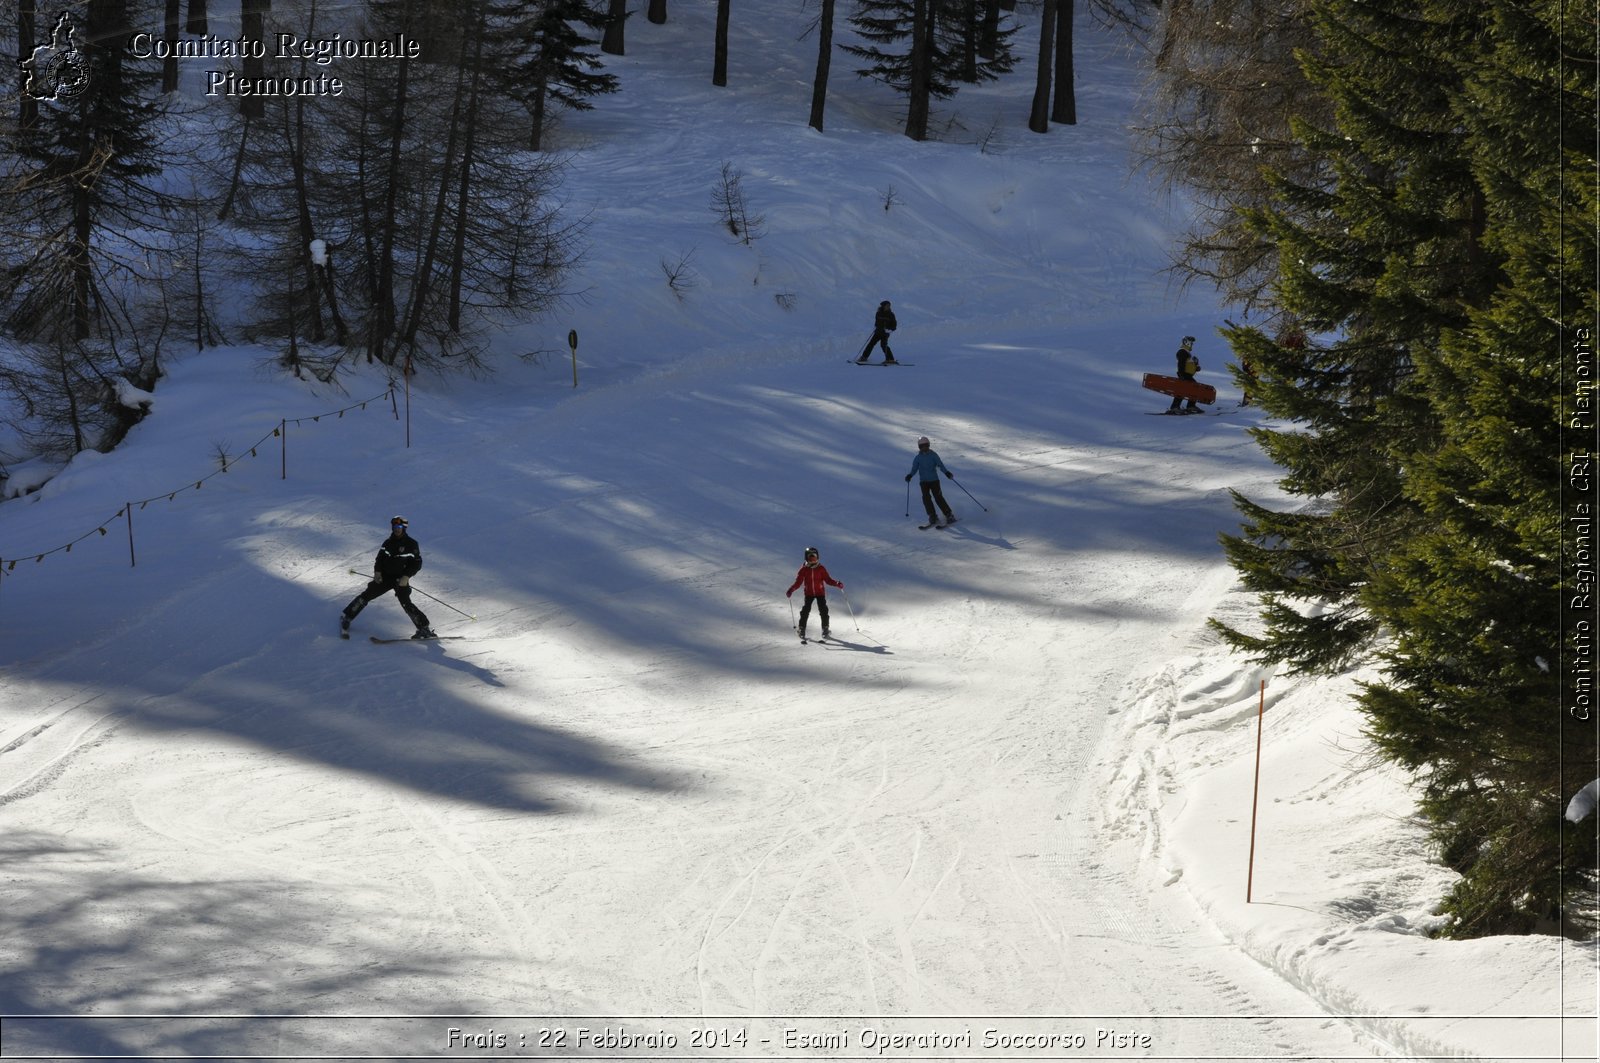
x=1011 y=799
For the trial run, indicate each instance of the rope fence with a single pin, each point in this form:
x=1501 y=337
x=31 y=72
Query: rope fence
x=8 y=565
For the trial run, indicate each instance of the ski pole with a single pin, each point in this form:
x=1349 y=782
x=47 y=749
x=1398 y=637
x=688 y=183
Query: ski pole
x=853 y=619
x=792 y=622
x=969 y=494
x=447 y=605
x=425 y=594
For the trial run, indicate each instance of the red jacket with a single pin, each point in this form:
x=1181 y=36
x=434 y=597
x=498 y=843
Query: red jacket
x=814 y=576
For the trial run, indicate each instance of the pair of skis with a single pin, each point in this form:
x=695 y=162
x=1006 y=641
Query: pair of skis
x=344 y=633
x=408 y=638
x=935 y=524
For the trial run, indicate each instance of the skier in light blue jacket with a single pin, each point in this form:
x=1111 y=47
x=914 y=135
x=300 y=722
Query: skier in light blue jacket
x=926 y=466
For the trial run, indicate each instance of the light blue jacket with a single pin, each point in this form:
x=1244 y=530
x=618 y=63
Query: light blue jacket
x=927 y=465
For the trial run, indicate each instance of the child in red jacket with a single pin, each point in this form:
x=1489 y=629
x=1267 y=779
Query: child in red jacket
x=816 y=579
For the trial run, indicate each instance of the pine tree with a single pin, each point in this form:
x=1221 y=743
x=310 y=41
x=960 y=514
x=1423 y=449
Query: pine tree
x=1381 y=258
x=548 y=44
x=923 y=48
x=1435 y=261
x=972 y=50
x=1471 y=695
x=903 y=53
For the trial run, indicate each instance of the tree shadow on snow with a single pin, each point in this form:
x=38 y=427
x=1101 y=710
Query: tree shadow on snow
x=91 y=946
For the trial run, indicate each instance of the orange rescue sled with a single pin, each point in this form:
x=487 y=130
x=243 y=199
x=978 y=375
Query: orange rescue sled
x=1181 y=389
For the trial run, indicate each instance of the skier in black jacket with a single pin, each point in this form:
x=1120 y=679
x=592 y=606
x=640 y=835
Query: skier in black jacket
x=399 y=558
x=883 y=323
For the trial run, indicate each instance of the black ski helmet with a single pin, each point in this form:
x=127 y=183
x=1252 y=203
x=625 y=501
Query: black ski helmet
x=1188 y=343
x=811 y=552
x=884 y=303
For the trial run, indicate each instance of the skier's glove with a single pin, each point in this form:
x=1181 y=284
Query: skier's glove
x=403 y=581
x=908 y=477
x=948 y=475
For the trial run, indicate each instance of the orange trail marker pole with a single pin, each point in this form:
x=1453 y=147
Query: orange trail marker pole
x=1250 y=875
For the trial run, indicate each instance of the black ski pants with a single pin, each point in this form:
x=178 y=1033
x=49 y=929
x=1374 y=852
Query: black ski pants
x=932 y=492
x=880 y=337
x=822 y=611
x=1177 y=400
x=377 y=589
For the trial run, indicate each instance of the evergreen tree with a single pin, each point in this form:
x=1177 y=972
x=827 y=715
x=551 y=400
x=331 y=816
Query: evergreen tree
x=1381 y=259
x=902 y=53
x=548 y=43
x=924 y=47
x=1472 y=692
x=1434 y=260
x=973 y=48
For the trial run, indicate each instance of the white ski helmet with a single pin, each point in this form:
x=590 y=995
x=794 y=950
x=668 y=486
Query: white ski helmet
x=922 y=441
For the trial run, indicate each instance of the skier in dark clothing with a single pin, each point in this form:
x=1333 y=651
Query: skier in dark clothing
x=926 y=467
x=399 y=558
x=1188 y=366
x=883 y=323
x=816 y=581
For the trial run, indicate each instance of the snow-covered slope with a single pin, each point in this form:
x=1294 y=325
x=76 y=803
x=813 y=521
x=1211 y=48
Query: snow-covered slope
x=1013 y=795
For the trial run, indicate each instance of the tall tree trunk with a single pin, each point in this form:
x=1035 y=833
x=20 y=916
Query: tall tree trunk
x=970 y=27
x=238 y=171
x=657 y=13
x=819 y=84
x=295 y=136
x=1039 y=117
x=917 y=108
x=541 y=92
x=197 y=18
x=169 y=65
x=719 y=63
x=71 y=392
x=422 y=283
x=107 y=27
x=1065 y=109
x=989 y=41
x=27 y=41
x=611 y=42
x=78 y=257
x=252 y=25
x=458 y=248
x=383 y=309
